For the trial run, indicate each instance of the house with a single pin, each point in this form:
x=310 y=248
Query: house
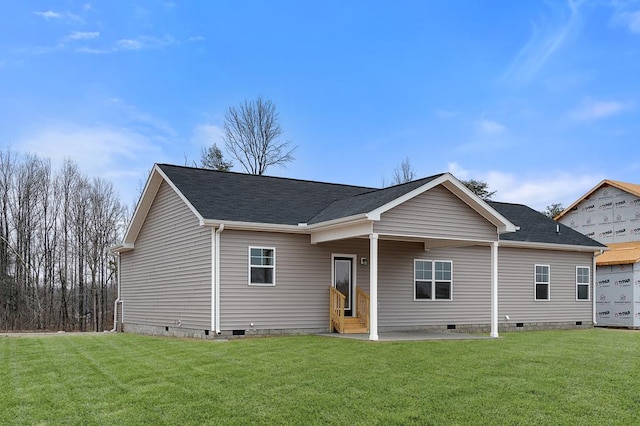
x=610 y=213
x=212 y=253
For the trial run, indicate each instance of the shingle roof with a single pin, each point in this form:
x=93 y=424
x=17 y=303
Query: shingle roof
x=260 y=199
x=368 y=201
x=238 y=197
x=538 y=228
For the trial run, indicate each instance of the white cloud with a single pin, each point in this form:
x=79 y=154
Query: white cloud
x=535 y=191
x=135 y=117
x=445 y=114
x=545 y=41
x=92 y=50
x=115 y=153
x=628 y=19
x=207 y=134
x=144 y=42
x=49 y=14
x=196 y=38
x=633 y=22
x=458 y=171
x=540 y=191
x=594 y=110
x=489 y=127
x=128 y=44
x=83 y=35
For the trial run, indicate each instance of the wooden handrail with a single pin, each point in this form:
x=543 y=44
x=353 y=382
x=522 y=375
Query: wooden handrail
x=336 y=310
x=362 y=306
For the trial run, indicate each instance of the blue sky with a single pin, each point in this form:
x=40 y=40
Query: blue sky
x=539 y=99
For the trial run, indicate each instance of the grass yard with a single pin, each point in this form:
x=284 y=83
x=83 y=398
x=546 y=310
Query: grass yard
x=556 y=377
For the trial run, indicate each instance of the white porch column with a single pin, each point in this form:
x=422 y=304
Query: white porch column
x=373 y=286
x=494 y=289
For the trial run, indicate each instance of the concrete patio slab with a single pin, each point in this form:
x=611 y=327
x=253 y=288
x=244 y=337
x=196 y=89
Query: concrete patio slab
x=413 y=335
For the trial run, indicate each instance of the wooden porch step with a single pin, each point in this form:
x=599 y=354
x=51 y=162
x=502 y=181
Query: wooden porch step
x=353 y=325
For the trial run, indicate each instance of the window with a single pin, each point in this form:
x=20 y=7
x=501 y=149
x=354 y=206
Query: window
x=583 y=282
x=542 y=283
x=262 y=266
x=432 y=279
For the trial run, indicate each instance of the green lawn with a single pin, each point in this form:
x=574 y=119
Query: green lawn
x=557 y=377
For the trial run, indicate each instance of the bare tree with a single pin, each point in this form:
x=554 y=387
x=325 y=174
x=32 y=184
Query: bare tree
x=553 y=210
x=251 y=134
x=403 y=173
x=212 y=158
x=480 y=188
x=55 y=272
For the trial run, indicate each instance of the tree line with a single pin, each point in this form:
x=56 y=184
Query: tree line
x=56 y=272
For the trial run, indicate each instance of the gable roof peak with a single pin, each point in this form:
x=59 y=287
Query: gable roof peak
x=631 y=188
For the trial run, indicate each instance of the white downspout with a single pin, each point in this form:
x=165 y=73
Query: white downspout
x=494 y=289
x=216 y=276
x=115 y=304
x=593 y=287
x=213 y=278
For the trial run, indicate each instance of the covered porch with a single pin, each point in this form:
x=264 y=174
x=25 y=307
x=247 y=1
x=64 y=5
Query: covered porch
x=361 y=318
x=443 y=223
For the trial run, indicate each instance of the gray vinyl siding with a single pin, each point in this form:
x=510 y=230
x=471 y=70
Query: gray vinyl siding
x=471 y=287
x=516 y=286
x=300 y=298
x=436 y=213
x=166 y=279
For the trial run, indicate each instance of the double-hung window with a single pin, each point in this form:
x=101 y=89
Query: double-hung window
x=432 y=279
x=542 y=282
x=262 y=266
x=583 y=282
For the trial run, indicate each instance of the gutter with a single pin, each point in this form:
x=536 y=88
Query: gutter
x=552 y=246
x=118 y=300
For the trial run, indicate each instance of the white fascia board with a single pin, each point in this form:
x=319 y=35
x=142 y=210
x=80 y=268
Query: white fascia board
x=333 y=233
x=121 y=248
x=456 y=187
x=146 y=200
x=301 y=228
x=254 y=226
x=144 y=204
x=181 y=195
x=462 y=192
x=550 y=246
x=336 y=222
x=375 y=214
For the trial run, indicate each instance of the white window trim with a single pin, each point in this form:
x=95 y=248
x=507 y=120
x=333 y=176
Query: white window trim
x=261 y=266
x=535 y=283
x=433 y=281
x=588 y=299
